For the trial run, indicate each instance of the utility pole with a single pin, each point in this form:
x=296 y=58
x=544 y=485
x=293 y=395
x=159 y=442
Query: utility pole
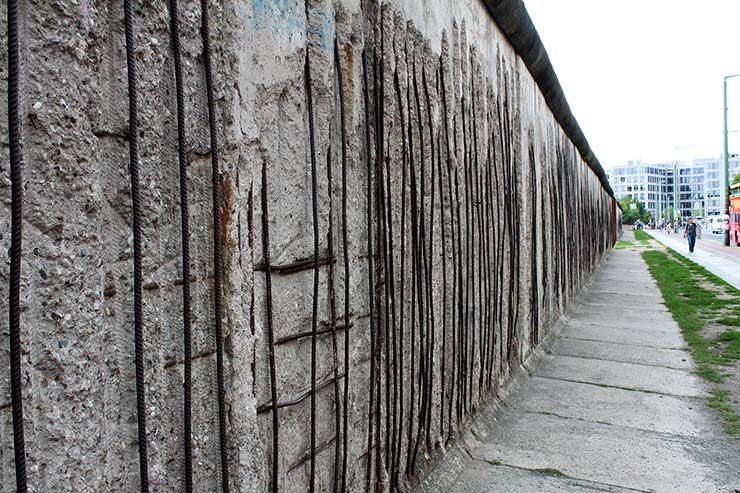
x=726 y=155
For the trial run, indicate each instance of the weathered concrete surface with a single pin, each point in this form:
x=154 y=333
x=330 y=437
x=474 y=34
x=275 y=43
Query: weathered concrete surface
x=490 y=139
x=624 y=375
x=486 y=479
x=626 y=335
x=657 y=412
x=624 y=353
x=609 y=430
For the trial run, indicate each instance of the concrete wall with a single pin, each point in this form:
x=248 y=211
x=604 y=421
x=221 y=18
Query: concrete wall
x=485 y=222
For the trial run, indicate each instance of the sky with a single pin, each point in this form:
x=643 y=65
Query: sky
x=644 y=77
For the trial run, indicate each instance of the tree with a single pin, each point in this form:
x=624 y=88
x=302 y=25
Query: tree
x=736 y=179
x=632 y=210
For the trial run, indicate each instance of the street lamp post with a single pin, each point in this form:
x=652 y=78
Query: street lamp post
x=657 y=208
x=726 y=152
x=675 y=191
x=662 y=186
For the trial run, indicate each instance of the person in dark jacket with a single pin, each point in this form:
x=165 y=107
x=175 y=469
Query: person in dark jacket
x=690 y=234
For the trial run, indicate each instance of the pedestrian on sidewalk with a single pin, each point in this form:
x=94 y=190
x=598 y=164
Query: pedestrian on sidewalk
x=690 y=234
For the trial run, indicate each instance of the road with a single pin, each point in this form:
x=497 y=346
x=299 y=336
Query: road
x=615 y=406
x=710 y=252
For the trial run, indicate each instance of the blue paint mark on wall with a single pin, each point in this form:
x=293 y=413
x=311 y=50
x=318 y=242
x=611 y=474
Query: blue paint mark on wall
x=286 y=18
x=282 y=18
x=326 y=29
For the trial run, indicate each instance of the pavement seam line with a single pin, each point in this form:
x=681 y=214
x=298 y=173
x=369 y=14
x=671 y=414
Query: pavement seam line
x=623 y=343
x=562 y=475
x=555 y=353
x=621 y=388
x=663 y=434
x=581 y=324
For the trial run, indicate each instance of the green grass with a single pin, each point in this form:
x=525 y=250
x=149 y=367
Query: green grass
x=732 y=350
x=692 y=293
x=710 y=373
x=642 y=236
x=689 y=302
x=731 y=321
x=701 y=271
x=550 y=471
x=642 y=239
x=720 y=402
x=624 y=244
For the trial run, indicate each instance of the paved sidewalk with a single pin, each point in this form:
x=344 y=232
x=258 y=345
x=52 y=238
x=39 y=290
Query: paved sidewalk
x=615 y=407
x=714 y=256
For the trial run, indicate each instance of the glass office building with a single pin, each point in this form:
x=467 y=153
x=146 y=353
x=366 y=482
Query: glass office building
x=700 y=183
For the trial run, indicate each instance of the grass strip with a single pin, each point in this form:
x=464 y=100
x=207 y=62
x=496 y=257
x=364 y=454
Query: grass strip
x=731 y=321
x=732 y=349
x=686 y=299
x=624 y=244
x=720 y=402
x=642 y=237
x=692 y=294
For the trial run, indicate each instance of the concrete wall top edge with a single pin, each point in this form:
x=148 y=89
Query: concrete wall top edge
x=511 y=19
x=515 y=23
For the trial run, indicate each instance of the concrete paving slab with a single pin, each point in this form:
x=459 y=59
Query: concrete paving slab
x=483 y=477
x=668 y=358
x=613 y=279
x=623 y=375
x=627 y=301
x=639 y=410
x=634 y=283
x=649 y=310
x=614 y=406
x=602 y=453
x=634 y=269
x=626 y=335
x=609 y=304
x=626 y=318
x=645 y=312
x=605 y=278
x=631 y=295
x=623 y=274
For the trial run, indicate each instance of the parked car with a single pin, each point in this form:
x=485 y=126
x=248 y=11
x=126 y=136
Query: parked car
x=715 y=225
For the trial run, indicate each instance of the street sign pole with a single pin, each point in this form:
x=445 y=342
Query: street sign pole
x=726 y=156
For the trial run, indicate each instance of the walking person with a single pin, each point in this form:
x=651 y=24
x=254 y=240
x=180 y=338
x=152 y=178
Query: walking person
x=690 y=234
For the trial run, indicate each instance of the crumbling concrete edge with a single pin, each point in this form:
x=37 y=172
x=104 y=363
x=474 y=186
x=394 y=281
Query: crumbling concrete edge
x=514 y=21
x=443 y=474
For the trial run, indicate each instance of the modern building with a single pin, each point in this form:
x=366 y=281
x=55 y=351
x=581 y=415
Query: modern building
x=716 y=194
x=691 y=188
x=700 y=192
x=648 y=183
